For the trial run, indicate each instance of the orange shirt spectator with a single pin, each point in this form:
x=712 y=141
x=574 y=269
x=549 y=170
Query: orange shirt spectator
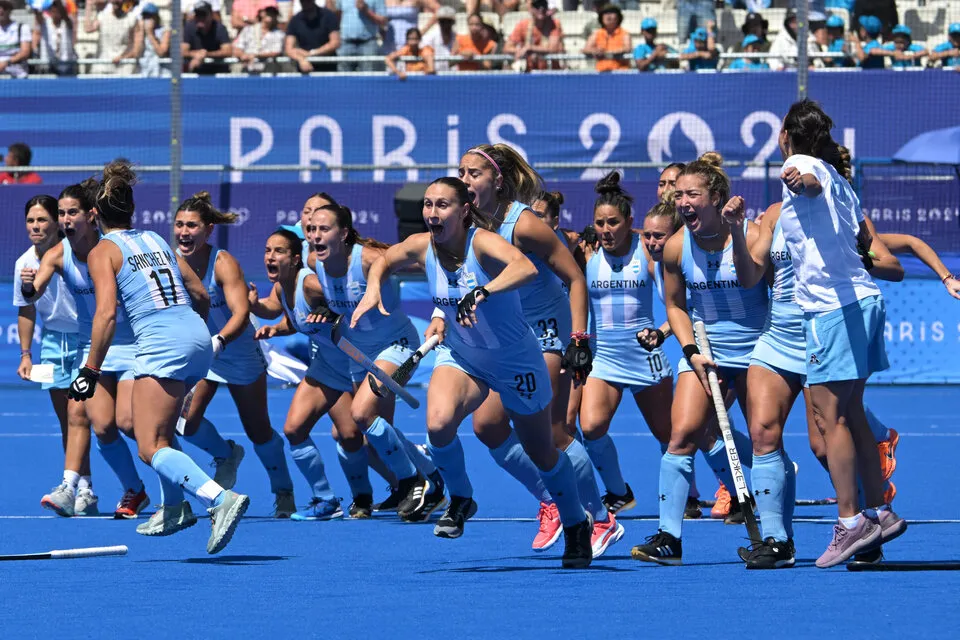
x=475 y=43
x=610 y=42
x=411 y=49
x=535 y=36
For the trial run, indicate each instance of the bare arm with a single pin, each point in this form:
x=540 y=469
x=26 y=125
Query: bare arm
x=103 y=264
x=405 y=255
x=885 y=264
x=269 y=307
x=51 y=263
x=195 y=289
x=751 y=247
x=674 y=291
x=901 y=243
x=229 y=276
x=26 y=322
x=498 y=256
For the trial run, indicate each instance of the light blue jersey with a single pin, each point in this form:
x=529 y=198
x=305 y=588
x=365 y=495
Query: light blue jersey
x=390 y=338
x=545 y=302
x=172 y=340
x=782 y=345
x=500 y=349
x=734 y=316
x=121 y=356
x=328 y=365
x=241 y=362
x=621 y=304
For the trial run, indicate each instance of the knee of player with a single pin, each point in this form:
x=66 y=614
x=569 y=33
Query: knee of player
x=295 y=434
x=364 y=415
x=146 y=451
x=439 y=420
x=766 y=434
x=593 y=429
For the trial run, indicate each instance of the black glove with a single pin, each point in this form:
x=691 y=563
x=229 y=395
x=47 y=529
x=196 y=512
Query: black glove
x=578 y=359
x=28 y=290
x=866 y=256
x=325 y=312
x=83 y=387
x=589 y=235
x=658 y=340
x=469 y=301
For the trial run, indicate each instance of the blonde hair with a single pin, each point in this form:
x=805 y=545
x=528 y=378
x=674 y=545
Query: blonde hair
x=666 y=208
x=709 y=168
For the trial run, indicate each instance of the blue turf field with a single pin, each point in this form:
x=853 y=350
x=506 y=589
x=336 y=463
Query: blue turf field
x=384 y=579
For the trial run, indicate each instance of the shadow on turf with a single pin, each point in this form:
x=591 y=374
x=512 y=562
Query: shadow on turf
x=227 y=560
x=554 y=565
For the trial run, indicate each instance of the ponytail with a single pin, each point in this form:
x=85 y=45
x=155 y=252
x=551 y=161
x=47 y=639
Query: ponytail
x=520 y=181
x=202 y=204
x=114 y=195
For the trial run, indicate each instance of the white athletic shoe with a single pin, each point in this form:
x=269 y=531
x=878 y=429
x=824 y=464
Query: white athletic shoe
x=168 y=520
x=226 y=473
x=60 y=500
x=86 y=503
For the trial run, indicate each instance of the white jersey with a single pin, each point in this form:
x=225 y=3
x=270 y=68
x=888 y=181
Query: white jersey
x=56 y=308
x=821 y=235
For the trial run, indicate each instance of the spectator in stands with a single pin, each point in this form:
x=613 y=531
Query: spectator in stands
x=903 y=52
x=442 y=40
x=403 y=15
x=117 y=27
x=246 y=13
x=205 y=37
x=883 y=10
x=258 y=45
x=313 y=32
x=189 y=8
x=534 y=37
x=412 y=49
x=649 y=54
x=750 y=44
x=702 y=52
x=498 y=7
x=360 y=23
x=19 y=155
x=756 y=25
x=694 y=14
x=948 y=53
x=15 y=40
x=610 y=45
x=867 y=49
x=152 y=42
x=54 y=38
x=836 y=43
x=477 y=42
x=785 y=47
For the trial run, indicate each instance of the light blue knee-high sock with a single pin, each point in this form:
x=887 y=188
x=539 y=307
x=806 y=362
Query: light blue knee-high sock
x=603 y=453
x=744 y=448
x=717 y=459
x=561 y=482
x=511 y=457
x=789 y=494
x=354 y=465
x=877 y=428
x=420 y=459
x=769 y=479
x=694 y=492
x=178 y=468
x=274 y=461
x=587 y=482
x=117 y=454
x=208 y=438
x=452 y=467
x=307 y=458
x=383 y=438
x=171 y=495
x=675 y=474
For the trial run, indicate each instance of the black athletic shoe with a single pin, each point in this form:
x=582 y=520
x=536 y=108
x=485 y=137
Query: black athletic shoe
x=661 y=547
x=451 y=522
x=411 y=490
x=874 y=556
x=615 y=504
x=391 y=503
x=692 y=509
x=578 y=551
x=736 y=515
x=362 y=506
x=771 y=555
x=432 y=498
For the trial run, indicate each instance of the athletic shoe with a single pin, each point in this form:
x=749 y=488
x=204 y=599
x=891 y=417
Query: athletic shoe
x=692 y=509
x=86 y=503
x=736 y=515
x=616 y=504
x=578 y=552
x=168 y=519
x=131 y=504
x=60 y=500
x=892 y=526
x=888 y=454
x=451 y=522
x=362 y=507
x=721 y=508
x=550 y=527
x=224 y=520
x=771 y=554
x=890 y=492
x=226 y=473
x=848 y=542
x=874 y=556
x=391 y=503
x=412 y=491
x=605 y=534
x=283 y=504
x=319 y=509
x=661 y=547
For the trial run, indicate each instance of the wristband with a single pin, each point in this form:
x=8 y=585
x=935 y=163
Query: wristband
x=946 y=277
x=26 y=352
x=690 y=350
x=579 y=335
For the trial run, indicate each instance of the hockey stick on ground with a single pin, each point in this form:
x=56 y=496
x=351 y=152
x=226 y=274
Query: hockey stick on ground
x=64 y=554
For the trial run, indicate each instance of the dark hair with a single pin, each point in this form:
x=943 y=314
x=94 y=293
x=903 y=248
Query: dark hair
x=85 y=193
x=843 y=163
x=553 y=200
x=413 y=30
x=520 y=181
x=49 y=203
x=115 y=204
x=612 y=194
x=808 y=128
x=293 y=240
x=202 y=204
x=474 y=217
x=22 y=153
x=674 y=165
x=322 y=194
x=345 y=221
x=610 y=8
x=708 y=166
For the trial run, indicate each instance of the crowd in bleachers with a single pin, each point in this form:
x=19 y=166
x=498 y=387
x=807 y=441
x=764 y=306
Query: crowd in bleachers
x=132 y=37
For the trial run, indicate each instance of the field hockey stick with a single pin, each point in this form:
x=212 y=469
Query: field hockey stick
x=402 y=375
x=733 y=458
x=66 y=554
x=358 y=356
x=182 y=420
